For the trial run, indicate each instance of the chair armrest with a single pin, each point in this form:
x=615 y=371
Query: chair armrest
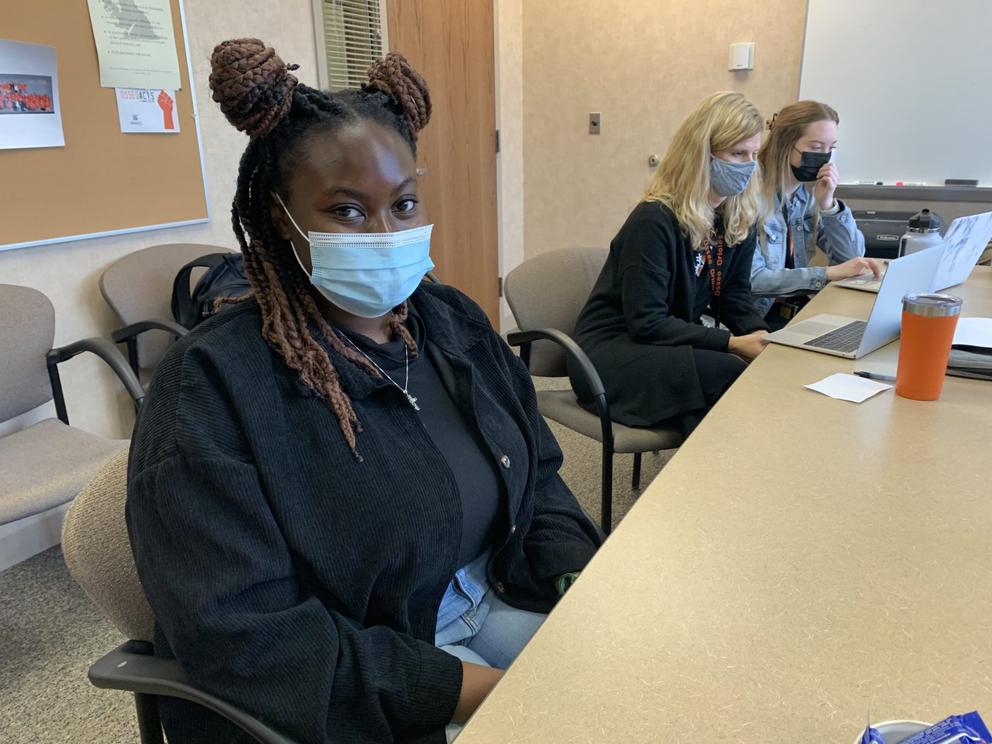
x=108 y=353
x=589 y=386
x=126 y=669
x=135 y=329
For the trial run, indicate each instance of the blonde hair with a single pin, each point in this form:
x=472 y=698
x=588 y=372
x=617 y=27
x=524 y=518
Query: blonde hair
x=682 y=181
x=787 y=127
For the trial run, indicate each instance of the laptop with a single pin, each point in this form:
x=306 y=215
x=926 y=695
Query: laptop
x=852 y=338
x=962 y=246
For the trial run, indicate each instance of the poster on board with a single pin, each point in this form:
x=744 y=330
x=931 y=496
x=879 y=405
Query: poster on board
x=135 y=43
x=30 y=115
x=147 y=111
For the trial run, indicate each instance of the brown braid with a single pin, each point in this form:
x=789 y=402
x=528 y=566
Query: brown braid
x=251 y=84
x=259 y=96
x=394 y=77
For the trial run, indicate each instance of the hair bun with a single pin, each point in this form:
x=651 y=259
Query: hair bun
x=394 y=76
x=252 y=85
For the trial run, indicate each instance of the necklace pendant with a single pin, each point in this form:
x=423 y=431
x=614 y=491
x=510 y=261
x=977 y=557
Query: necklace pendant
x=413 y=401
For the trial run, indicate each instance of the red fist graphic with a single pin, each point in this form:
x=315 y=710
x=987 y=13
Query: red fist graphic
x=166 y=103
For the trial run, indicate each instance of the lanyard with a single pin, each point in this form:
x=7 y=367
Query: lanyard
x=715 y=267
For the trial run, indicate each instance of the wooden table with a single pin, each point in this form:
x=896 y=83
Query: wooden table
x=799 y=562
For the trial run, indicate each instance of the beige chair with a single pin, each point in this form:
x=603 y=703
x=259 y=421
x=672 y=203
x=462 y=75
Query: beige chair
x=545 y=295
x=98 y=553
x=42 y=466
x=138 y=287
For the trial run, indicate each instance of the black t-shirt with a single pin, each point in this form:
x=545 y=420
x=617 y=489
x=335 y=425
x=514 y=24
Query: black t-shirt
x=450 y=428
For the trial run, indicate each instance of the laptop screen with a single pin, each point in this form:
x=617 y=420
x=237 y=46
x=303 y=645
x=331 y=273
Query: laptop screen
x=964 y=242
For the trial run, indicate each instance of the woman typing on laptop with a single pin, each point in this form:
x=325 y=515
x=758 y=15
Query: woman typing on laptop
x=802 y=213
x=684 y=250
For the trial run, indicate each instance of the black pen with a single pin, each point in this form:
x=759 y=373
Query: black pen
x=874 y=376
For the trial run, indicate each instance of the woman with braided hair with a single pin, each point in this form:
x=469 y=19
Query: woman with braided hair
x=344 y=506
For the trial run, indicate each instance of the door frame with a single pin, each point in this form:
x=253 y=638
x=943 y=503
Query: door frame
x=507 y=91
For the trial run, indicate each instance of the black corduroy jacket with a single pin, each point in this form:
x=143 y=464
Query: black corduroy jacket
x=302 y=585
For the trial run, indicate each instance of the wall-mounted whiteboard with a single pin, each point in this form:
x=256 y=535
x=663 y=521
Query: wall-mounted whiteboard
x=912 y=82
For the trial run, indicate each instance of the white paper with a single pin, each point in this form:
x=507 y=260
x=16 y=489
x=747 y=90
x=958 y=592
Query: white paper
x=30 y=114
x=135 y=43
x=147 y=111
x=848 y=387
x=973 y=332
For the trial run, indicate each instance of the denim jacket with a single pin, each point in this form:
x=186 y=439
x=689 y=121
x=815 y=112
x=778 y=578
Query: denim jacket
x=837 y=235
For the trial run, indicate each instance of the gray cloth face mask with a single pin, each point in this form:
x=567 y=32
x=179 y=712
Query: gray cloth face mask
x=730 y=179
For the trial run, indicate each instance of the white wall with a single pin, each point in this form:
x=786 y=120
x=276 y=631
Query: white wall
x=642 y=64
x=69 y=273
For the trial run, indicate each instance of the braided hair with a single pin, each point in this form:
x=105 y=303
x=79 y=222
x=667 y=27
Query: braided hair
x=260 y=96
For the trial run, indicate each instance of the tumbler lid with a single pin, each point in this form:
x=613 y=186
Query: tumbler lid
x=931 y=305
x=925 y=221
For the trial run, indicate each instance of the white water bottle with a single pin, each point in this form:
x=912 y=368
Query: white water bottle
x=923 y=233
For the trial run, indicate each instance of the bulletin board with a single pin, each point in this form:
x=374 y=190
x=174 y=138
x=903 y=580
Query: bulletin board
x=102 y=182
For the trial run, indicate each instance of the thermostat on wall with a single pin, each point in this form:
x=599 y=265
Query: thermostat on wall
x=742 y=56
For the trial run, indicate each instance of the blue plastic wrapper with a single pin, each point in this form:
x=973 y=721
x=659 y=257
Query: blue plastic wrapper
x=871 y=736
x=968 y=728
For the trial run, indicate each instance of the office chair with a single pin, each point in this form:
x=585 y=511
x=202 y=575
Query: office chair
x=43 y=466
x=98 y=553
x=138 y=288
x=546 y=295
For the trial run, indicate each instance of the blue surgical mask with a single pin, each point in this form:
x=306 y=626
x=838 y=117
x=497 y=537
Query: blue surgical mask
x=367 y=274
x=730 y=179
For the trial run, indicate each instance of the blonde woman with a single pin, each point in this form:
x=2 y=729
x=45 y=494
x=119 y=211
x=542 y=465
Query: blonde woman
x=685 y=249
x=803 y=214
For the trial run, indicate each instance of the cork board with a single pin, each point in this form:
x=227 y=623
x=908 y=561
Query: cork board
x=102 y=181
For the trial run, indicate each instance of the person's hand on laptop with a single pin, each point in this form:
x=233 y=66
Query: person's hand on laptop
x=854 y=267
x=748 y=346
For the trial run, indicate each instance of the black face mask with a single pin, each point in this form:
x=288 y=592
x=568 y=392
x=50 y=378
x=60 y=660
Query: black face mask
x=810 y=165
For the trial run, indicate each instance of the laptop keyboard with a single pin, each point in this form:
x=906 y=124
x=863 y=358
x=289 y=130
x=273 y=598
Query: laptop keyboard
x=845 y=339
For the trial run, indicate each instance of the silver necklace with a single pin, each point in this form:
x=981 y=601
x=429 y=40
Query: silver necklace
x=406 y=382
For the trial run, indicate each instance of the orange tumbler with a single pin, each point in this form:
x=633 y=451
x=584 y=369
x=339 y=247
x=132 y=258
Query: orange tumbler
x=928 y=323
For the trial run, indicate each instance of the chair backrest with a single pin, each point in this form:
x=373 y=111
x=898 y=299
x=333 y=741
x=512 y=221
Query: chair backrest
x=98 y=552
x=27 y=332
x=138 y=287
x=548 y=291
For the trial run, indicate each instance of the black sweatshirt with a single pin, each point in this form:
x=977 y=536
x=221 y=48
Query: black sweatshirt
x=640 y=325
x=302 y=585
x=648 y=289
